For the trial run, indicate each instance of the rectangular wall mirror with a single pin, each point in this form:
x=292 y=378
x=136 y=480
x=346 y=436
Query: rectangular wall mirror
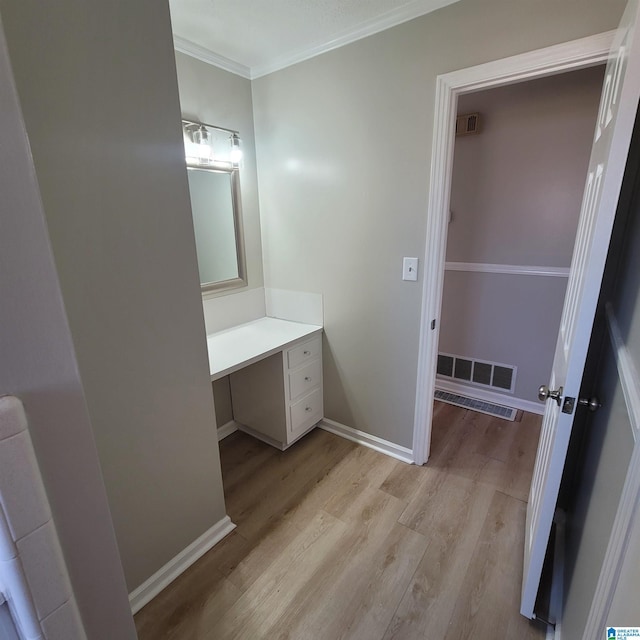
x=214 y=187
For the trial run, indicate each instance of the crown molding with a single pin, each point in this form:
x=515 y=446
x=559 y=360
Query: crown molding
x=362 y=30
x=205 y=55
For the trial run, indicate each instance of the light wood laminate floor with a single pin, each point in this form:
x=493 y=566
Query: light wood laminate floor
x=335 y=540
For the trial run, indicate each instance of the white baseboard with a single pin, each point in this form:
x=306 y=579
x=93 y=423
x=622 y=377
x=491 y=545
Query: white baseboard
x=227 y=429
x=490 y=396
x=367 y=440
x=260 y=436
x=150 y=588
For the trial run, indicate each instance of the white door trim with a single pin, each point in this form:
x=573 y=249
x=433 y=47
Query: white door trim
x=561 y=58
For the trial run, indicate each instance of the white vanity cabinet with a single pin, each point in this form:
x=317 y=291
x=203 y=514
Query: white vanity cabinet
x=279 y=399
x=275 y=373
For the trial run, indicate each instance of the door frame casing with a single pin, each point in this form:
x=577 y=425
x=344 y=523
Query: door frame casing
x=561 y=58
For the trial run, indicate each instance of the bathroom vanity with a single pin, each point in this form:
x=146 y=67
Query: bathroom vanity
x=274 y=365
x=275 y=372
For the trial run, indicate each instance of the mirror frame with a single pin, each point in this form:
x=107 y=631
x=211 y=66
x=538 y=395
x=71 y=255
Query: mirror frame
x=236 y=205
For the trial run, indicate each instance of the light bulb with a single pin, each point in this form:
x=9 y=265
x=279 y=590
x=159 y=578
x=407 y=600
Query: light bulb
x=201 y=135
x=236 y=151
x=206 y=153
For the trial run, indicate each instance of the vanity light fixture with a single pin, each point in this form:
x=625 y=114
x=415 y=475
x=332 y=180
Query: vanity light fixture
x=205 y=145
x=201 y=135
x=236 y=151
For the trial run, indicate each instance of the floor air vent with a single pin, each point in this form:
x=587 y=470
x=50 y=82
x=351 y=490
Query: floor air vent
x=506 y=413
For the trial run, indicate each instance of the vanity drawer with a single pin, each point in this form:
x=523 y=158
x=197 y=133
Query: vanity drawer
x=306 y=411
x=305 y=378
x=306 y=351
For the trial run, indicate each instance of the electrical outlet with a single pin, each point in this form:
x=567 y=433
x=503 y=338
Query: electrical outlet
x=410 y=269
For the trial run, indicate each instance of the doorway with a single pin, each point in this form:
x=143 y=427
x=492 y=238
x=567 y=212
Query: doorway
x=574 y=55
x=517 y=182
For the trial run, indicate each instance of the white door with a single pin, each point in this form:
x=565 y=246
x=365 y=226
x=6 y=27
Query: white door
x=614 y=127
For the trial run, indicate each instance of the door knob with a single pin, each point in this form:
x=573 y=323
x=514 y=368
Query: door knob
x=593 y=404
x=544 y=394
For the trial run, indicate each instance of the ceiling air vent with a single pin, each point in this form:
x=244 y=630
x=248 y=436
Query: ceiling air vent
x=468 y=124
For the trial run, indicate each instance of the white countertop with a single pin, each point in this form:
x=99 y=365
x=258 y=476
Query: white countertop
x=237 y=347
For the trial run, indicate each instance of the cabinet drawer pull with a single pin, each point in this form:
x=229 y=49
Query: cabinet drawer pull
x=304 y=352
x=302 y=380
x=306 y=411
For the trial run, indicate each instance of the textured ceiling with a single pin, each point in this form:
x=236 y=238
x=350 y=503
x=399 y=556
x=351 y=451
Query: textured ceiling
x=263 y=35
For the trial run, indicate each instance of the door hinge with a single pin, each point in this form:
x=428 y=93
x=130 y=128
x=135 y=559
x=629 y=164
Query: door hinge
x=433 y=324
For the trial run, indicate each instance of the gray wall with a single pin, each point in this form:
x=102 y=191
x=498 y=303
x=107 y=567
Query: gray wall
x=39 y=365
x=98 y=90
x=504 y=318
x=515 y=199
x=222 y=399
x=517 y=185
x=344 y=144
x=214 y=96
